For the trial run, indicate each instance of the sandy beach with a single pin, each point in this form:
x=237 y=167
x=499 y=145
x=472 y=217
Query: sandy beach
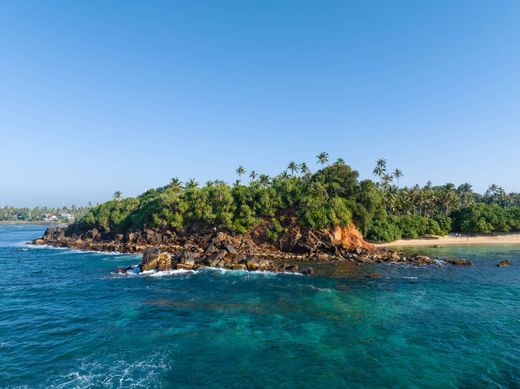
x=456 y=240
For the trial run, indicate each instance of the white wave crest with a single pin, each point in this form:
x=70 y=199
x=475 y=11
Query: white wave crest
x=142 y=373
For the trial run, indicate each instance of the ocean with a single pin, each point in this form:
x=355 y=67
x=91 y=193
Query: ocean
x=67 y=322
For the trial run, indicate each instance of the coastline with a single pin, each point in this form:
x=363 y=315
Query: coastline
x=496 y=239
x=20 y=222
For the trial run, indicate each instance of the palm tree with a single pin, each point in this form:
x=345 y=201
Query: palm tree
x=253 y=175
x=397 y=175
x=192 y=183
x=304 y=169
x=386 y=179
x=380 y=168
x=117 y=195
x=264 y=179
x=323 y=158
x=240 y=171
x=176 y=184
x=465 y=193
x=340 y=161
x=293 y=167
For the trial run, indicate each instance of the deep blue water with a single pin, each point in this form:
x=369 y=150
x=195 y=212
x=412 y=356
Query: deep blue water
x=66 y=322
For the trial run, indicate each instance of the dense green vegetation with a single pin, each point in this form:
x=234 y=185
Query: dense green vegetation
x=42 y=214
x=331 y=196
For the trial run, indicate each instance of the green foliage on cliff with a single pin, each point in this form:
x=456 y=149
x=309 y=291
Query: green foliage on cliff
x=326 y=198
x=331 y=196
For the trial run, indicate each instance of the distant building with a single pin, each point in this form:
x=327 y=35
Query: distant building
x=67 y=216
x=48 y=217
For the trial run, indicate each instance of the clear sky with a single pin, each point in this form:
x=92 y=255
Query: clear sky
x=99 y=96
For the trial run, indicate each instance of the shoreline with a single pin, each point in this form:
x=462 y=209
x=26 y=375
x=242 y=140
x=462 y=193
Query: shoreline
x=450 y=240
x=36 y=223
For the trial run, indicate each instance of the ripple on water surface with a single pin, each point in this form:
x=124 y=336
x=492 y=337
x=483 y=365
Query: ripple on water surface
x=67 y=322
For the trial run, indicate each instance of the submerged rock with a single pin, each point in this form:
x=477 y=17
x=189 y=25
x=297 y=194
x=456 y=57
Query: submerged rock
x=421 y=260
x=374 y=275
x=460 y=262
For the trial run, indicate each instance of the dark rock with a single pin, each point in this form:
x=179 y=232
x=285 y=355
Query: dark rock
x=252 y=264
x=460 y=262
x=211 y=249
x=230 y=249
x=150 y=258
x=239 y=266
x=322 y=257
x=186 y=266
x=308 y=270
x=188 y=256
x=291 y=268
x=92 y=234
x=264 y=264
x=421 y=260
x=374 y=275
x=221 y=254
x=504 y=263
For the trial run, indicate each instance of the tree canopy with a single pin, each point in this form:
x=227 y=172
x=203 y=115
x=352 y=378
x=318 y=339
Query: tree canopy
x=330 y=196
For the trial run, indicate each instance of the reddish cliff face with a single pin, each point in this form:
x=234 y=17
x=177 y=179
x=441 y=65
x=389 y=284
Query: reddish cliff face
x=349 y=238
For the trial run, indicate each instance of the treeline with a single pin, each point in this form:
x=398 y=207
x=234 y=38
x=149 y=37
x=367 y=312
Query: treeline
x=333 y=195
x=38 y=214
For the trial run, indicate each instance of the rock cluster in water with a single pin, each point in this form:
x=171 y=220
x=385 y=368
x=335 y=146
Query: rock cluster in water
x=295 y=250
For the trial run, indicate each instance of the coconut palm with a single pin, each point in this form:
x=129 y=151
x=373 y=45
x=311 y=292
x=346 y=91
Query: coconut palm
x=293 y=167
x=323 y=158
x=304 y=169
x=240 y=171
x=192 y=183
x=397 y=175
x=380 y=168
x=264 y=179
x=176 y=184
x=465 y=193
x=386 y=180
x=117 y=195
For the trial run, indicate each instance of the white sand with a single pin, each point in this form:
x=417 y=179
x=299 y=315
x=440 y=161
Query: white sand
x=460 y=240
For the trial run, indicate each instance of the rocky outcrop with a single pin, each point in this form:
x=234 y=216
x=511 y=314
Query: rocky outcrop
x=504 y=263
x=459 y=262
x=349 y=238
x=150 y=259
x=164 y=249
x=153 y=259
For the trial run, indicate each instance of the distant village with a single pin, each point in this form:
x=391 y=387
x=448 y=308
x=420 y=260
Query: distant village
x=42 y=214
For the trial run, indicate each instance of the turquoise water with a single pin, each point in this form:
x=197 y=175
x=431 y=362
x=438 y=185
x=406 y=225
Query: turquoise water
x=66 y=322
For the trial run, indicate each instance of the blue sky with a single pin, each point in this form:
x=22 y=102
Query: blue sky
x=99 y=96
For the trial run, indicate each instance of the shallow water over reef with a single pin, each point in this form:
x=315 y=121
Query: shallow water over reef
x=66 y=322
